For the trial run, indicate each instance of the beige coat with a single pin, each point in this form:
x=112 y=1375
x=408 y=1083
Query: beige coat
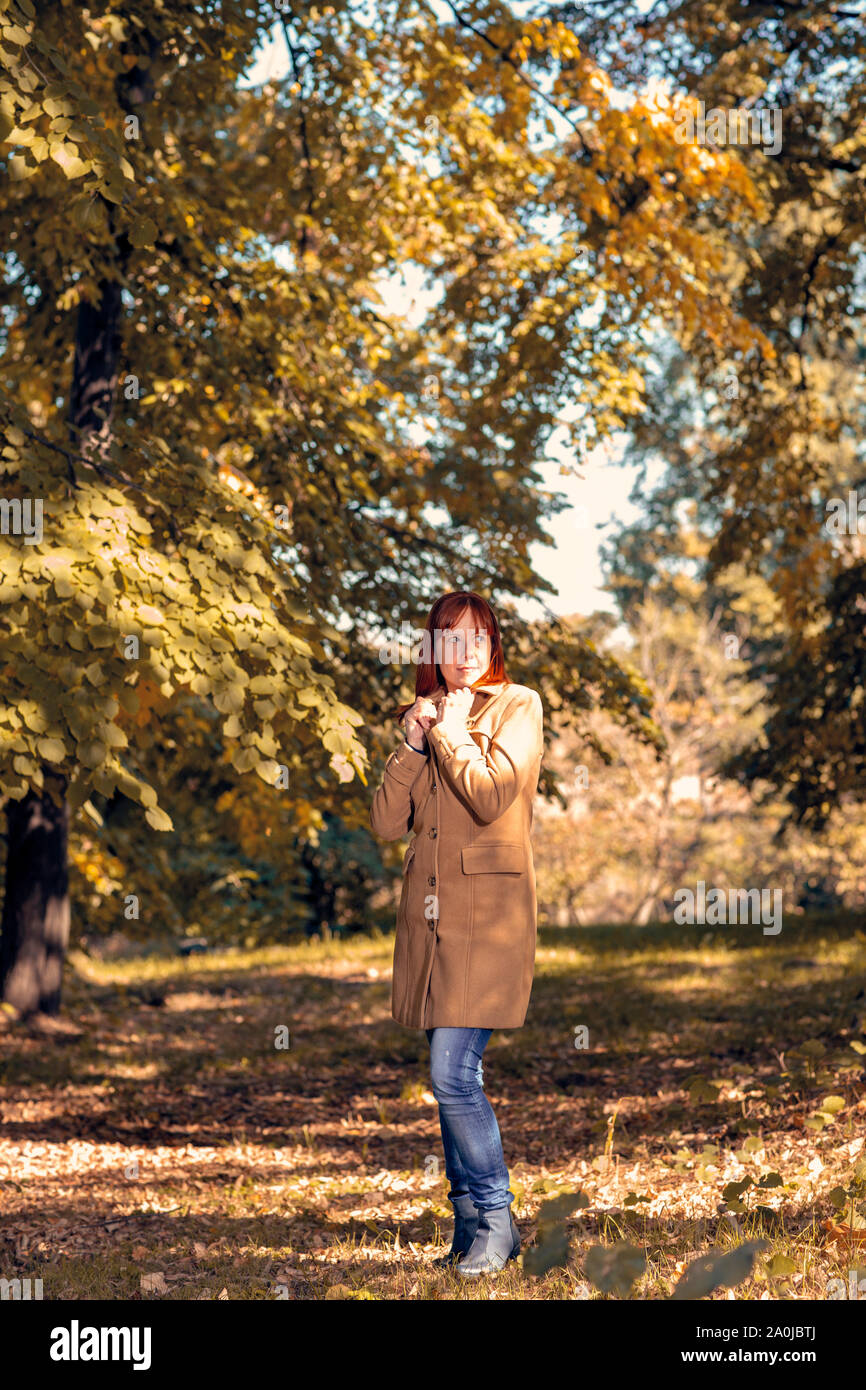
x=465 y=947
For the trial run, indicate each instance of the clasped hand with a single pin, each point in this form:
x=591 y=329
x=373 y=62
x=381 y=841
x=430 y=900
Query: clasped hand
x=450 y=716
x=454 y=711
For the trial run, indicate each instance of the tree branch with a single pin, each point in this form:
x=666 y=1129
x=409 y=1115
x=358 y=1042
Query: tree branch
x=305 y=143
x=505 y=57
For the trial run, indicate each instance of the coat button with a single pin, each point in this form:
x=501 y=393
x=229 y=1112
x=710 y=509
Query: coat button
x=433 y=788
x=432 y=880
x=433 y=834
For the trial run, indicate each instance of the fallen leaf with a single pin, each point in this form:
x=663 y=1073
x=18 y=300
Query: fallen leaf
x=153 y=1283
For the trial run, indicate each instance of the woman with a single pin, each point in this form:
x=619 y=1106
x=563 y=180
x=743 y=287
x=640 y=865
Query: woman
x=464 y=782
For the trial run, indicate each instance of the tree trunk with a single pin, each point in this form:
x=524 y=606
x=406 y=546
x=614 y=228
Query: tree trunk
x=35 y=925
x=36 y=913
x=642 y=914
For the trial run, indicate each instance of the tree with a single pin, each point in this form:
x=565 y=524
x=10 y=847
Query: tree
x=639 y=817
x=768 y=448
x=192 y=281
x=638 y=826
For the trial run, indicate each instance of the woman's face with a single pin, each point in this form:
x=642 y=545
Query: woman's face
x=463 y=652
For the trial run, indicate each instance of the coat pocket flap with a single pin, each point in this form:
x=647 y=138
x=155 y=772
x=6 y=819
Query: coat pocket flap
x=494 y=859
x=407 y=857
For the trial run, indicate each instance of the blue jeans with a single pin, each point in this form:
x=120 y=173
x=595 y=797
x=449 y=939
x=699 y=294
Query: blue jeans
x=474 y=1164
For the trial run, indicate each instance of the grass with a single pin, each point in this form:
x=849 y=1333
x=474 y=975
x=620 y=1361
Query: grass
x=174 y=1139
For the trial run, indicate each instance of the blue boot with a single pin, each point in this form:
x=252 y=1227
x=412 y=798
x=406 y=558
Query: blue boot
x=465 y=1226
x=496 y=1242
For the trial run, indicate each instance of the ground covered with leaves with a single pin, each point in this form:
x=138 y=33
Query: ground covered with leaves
x=253 y=1125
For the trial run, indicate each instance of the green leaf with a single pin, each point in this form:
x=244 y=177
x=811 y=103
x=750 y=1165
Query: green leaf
x=91 y=754
x=13 y=33
x=244 y=759
x=143 y=233
x=733 y=1190
x=53 y=750
x=19 y=168
x=229 y=699
x=770 y=1180
x=831 y=1105
x=72 y=165
x=268 y=770
x=614 y=1269
x=712 y=1272
x=701 y=1092
x=550 y=1251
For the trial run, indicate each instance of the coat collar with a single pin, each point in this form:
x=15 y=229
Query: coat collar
x=487 y=690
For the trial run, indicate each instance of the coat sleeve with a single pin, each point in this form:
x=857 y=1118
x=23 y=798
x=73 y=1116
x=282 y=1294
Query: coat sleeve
x=488 y=783
x=392 y=811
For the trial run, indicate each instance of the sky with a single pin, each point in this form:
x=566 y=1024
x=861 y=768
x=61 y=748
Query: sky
x=596 y=500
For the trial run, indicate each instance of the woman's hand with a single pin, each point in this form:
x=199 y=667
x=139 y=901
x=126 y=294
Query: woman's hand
x=416 y=722
x=454 y=711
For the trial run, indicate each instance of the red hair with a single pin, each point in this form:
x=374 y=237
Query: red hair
x=444 y=615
